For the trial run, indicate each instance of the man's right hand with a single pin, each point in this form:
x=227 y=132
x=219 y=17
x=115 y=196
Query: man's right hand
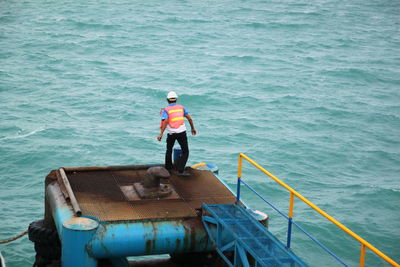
x=159 y=137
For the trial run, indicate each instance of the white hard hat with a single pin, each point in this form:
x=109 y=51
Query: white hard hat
x=172 y=95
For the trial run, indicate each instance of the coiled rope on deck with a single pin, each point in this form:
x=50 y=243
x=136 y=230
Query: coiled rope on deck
x=14 y=238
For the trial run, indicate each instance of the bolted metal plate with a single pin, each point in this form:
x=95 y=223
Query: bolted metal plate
x=133 y=192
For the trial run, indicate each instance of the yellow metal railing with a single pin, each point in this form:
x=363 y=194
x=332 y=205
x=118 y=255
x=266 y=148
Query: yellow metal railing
x=364 y=244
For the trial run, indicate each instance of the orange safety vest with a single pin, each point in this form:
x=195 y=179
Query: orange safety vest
x=175 y=116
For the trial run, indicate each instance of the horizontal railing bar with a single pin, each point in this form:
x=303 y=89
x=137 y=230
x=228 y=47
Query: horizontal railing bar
x=319 y=243
x=320 y=211
x=266 y=201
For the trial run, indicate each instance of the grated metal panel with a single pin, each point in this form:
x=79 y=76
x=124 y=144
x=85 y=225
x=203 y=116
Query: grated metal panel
x=202 y=187
x=253 y=237
x=99 y=194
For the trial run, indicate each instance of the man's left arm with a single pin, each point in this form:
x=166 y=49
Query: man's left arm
x=194 y=132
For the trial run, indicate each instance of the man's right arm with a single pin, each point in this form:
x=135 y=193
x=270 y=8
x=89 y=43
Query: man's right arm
x=164 y=124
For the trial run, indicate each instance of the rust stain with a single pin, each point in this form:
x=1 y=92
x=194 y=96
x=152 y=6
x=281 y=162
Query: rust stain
x=190 y=227
x=151 y=239
x=52 y=176
x=100 y=234
x=178 y=244
x=195 y=226
x=149 y=246
x=193 y=239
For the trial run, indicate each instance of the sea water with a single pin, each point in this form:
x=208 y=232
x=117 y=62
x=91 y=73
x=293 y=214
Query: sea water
x=308 y=89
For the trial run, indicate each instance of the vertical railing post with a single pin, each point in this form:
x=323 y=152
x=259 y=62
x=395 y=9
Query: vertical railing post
x=289 y=234
x=238 y=191
x=239 y=176
x=362 y=256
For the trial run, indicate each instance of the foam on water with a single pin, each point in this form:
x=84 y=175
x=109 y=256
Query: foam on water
x=310 y=90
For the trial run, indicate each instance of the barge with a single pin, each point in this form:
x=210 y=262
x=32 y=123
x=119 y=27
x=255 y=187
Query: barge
x=142 y=215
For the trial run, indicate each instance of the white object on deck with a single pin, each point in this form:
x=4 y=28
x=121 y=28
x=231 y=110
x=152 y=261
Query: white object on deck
x=2 y=262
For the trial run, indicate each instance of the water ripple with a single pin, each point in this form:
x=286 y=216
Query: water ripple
x=308 y=89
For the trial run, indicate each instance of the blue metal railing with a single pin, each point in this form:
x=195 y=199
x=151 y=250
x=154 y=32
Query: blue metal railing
x=294 y=193
x=290 y=222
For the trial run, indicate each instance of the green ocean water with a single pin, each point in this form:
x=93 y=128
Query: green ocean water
x=308 y=89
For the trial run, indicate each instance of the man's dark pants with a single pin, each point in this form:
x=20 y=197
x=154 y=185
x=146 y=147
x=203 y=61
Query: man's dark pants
x=182 y=140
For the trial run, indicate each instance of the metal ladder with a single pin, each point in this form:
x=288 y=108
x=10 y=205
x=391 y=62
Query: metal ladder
x=242 y=241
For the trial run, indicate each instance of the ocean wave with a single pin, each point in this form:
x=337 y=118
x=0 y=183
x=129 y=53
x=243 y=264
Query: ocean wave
x=254 y=25
x=23 y=135
x=353 y=74
x=287 y=25
x=244 y=58
x=7 y=18
x=187 y=21
x=94 y=25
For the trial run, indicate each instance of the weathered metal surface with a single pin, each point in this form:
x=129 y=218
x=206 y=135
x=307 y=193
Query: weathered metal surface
x=202 y=187
x=150 y=187
x=153 y=177
x=99 y=194
x=81 y=224
x=48 y=217
x=161 y=191
x=128 y=225
x=76 y=234
x=149 y=238
x=125 y=238
x=71 y=195
x=62 y=186
x=109 y=168
x=60 y=209
x=132 y=195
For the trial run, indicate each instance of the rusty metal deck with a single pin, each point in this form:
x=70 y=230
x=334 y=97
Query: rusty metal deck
x=103 y=194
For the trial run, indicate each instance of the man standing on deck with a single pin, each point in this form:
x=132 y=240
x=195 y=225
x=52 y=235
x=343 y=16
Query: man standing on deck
x=172 y=119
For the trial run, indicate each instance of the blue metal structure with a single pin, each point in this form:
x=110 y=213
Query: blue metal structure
x=86 y=239
x=92 y=229
x=76 y=233
x=290 y=223
x=232 y=229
